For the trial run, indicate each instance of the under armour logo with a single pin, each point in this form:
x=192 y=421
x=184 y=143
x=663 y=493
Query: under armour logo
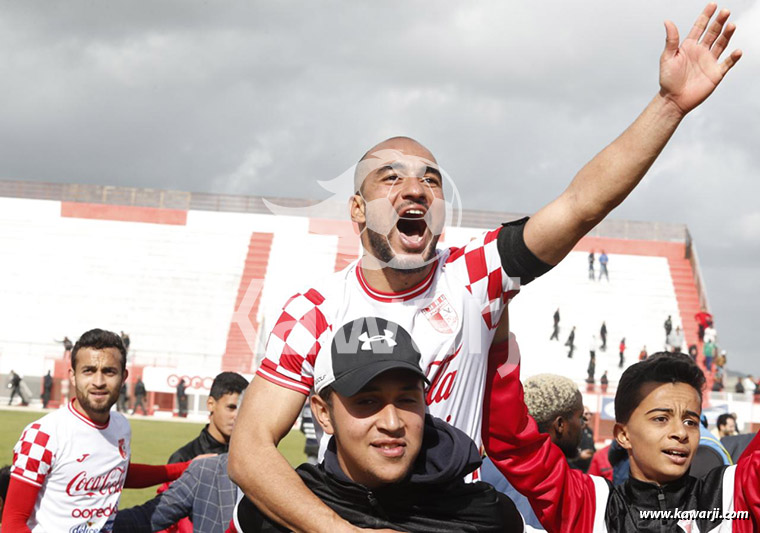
x=367 y=340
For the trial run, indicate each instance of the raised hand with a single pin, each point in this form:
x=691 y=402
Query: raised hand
x=689 y=73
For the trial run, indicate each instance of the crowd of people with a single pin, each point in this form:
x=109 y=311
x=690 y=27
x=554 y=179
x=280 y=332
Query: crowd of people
x=408 y=365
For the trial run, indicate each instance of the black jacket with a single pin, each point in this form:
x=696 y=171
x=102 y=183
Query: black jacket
x=434 y=498
x=203 y=443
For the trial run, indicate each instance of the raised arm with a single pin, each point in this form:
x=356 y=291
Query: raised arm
x=689 y=73
x=259 y=469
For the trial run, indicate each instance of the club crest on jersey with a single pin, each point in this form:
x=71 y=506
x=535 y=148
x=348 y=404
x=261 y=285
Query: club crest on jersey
x=122 y=448
x=442 y=315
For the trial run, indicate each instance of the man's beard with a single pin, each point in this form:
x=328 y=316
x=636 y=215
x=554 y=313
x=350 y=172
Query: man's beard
x=380 y=248
x=84 y=401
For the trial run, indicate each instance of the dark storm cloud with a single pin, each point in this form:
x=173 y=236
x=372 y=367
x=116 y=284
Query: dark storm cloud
x=267 y=98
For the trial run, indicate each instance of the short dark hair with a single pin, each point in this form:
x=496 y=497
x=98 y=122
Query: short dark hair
x=326 y=394
x=5 y=479
x=723 y=419
x=99 y=339
x=661 y=367
x=227 y=383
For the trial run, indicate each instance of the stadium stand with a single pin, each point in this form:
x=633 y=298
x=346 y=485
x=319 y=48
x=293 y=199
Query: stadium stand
x=196 y=278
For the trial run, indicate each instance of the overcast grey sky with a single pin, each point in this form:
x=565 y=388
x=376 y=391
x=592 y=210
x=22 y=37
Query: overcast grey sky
x=267 y=98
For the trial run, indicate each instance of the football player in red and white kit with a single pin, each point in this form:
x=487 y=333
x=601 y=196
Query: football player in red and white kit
x=449 y=300
x=69 y=467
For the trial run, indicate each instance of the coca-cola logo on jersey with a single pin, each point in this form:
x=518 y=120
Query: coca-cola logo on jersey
x=441 y=380
x=108 y=483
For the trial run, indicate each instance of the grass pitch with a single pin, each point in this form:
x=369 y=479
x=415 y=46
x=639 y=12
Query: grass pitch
x=153 y=441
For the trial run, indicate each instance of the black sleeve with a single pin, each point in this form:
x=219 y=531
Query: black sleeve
x=136 y=519
x=251 y=520
x=516 y=259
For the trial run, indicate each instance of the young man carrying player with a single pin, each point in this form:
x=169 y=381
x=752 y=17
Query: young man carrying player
x=657 y=411
x=70 y=466
x=449 y=300
x=388 y=464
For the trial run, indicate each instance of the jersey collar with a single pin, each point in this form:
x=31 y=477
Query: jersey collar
x=408 y=294
x=87 y=420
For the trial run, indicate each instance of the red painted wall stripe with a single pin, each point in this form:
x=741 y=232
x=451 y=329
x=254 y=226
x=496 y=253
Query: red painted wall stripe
x=124 y=213
x=239 y=354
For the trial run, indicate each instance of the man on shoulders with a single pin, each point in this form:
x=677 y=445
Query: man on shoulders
x=449 y=300
x=70 y=466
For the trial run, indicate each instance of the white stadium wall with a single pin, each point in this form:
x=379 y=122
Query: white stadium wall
x=178 y=282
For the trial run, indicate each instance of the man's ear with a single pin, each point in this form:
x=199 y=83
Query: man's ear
x=357 y=207
x=559 y=426
x=210 y=405
x=620 y=432
x=321 y=412
x=72 y=381
x=124 y=376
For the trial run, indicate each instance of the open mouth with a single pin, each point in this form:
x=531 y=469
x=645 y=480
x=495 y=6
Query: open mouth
x=411 y=227
x=677 y=456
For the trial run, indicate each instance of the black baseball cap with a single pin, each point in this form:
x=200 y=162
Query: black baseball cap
x=363 y=349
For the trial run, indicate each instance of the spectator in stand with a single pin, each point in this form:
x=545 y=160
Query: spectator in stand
x=604 y=381
x=704 y=320
x=720 y=361
x=47 y=389
x=591 y=275
x=718 y=385
x=139 y=397
x=668 y=327
x=555 y=331
x=749 y=384
x=556 y=404
x=709 y=350
x=711 y=334
x=675 y=340
x=586 y=447
x=591 y=368
x=603 y=335
x=181 y=398
x=621 y=348
x=70 y=466
x=739 y=387
x=570 y=343
x=603 y=260
x=643 y=353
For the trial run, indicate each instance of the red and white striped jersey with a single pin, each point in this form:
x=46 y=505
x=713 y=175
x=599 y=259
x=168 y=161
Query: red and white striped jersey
x=80 y=467
x=451 y=316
